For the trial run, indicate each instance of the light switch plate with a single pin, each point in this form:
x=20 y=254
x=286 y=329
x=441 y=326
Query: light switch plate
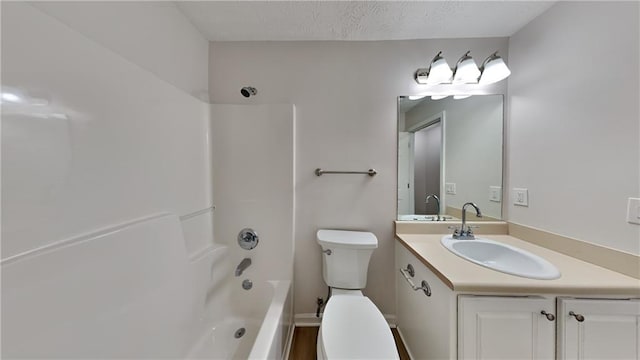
x=450 y=188
x=495 y=193
x=520 y=197
x=633 y=211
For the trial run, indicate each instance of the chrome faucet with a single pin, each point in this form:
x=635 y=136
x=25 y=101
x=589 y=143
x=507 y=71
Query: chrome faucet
x=461 y=234
x=244 y=264
x=437 y=203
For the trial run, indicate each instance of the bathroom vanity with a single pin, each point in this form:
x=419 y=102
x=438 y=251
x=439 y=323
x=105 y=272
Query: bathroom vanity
x=452 y=308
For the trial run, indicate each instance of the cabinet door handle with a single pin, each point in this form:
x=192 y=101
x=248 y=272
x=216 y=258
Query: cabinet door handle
x=549 y=316
x=578 y=317
x=424 y=286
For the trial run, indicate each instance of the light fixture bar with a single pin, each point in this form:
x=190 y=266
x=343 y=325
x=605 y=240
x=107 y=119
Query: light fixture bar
x=493 y=69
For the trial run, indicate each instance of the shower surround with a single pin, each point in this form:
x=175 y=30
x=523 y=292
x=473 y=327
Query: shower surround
x=108 y=241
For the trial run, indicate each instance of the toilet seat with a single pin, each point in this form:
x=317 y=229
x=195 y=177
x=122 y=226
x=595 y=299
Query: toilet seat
x=353 y=328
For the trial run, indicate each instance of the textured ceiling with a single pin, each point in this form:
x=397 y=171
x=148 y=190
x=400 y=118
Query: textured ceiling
x=358 y=20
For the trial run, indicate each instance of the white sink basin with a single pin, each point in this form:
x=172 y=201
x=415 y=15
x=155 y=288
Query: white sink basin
x=502 y=257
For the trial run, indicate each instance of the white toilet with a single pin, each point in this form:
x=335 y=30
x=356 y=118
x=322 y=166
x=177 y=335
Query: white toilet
x=352 y=326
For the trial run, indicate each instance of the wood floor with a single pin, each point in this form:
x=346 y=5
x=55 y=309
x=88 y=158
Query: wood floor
x=303 y=346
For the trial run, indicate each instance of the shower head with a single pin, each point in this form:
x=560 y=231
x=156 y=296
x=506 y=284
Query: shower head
x=247 y=91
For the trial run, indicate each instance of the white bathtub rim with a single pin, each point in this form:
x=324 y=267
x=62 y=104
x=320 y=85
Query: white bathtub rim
x=264 y=340
x=289 y=342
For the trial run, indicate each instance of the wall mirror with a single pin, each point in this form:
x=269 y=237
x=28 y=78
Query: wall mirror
x=449 y=153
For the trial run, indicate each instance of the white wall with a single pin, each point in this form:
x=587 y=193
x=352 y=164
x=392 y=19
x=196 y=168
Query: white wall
x=574 y=138
x=346 y=119
x=96 y=141
x=154 y=35
x=253 y=169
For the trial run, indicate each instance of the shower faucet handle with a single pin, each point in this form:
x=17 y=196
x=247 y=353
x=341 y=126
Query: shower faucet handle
x=248 y=239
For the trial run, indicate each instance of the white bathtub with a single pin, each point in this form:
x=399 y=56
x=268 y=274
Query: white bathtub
x=223 y=307
x=264 y=312
x=277 y=324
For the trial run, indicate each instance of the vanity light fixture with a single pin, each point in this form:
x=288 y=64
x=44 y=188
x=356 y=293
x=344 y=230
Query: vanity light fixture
x=466 y=71
x=438 y=97
x=10 y=97
x=460 y=97
x=493 y=69
x=438 y=72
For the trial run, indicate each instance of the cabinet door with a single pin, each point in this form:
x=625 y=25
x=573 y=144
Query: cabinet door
x=505 y=328
x=609 y=329
x=427 y=324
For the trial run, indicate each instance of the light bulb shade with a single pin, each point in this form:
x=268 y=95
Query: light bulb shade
x=494 y=70
x=7 y=96
x=439 y=71
x=467 y=71
x=438 y=97
x=460 y=97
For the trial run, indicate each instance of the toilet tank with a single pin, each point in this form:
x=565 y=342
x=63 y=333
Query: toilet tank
x=345 y=257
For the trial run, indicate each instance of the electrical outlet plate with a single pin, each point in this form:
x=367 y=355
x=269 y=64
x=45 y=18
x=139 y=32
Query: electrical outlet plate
x=520 y=197
x=450 y=188
x=633 y=211
x=495 y=193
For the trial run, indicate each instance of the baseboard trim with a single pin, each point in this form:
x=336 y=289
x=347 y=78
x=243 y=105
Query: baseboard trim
x=306 y=319
x=310 y=319
x=404 y=342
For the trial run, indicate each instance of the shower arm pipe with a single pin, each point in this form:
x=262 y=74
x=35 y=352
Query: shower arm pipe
x=370 y=172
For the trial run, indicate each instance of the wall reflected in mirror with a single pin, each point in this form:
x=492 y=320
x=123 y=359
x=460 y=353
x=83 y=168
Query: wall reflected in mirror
x=449 y=153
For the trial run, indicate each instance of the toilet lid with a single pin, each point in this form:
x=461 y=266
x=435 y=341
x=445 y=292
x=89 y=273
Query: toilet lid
x=353 y=328
x=347 y=239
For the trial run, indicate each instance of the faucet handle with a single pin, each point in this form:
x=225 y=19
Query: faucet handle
x=469 y=227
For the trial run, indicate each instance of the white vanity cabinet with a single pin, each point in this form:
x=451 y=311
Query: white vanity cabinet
x=598 y=329
x=465 y=325
x=497 y=327
x=427 y=323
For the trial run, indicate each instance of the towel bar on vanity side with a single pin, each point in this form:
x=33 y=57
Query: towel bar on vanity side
x=408 y=273
x=370 y=172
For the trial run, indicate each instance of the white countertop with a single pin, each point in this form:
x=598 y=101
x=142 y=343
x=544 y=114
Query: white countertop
x=578 y=277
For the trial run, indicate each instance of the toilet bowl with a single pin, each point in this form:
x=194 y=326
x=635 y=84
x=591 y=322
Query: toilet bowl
x=352 y=327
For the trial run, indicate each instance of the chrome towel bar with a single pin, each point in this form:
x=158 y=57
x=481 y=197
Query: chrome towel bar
x=424 y=286
x=370 y=172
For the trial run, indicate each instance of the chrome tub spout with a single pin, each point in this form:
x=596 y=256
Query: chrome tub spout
x=244 y=264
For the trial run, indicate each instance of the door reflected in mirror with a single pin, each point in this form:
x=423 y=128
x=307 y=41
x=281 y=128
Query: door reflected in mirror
x=450 y=153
